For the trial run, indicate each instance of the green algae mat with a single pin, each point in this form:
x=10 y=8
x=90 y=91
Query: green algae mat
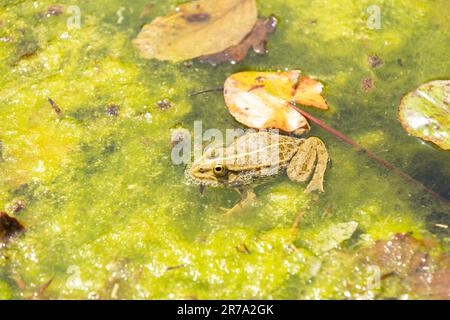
x=87 y=132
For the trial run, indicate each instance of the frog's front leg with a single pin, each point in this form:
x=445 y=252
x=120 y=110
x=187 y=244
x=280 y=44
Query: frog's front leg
x=310 y=159
x=248 y=198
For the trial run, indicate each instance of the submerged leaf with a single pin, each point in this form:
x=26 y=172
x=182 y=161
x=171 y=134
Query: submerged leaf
x=256 y=39
x=412 y=261
x=333 y=236
x=425 y=113
x=398 y=255
x=197 y=28
x=264 y=100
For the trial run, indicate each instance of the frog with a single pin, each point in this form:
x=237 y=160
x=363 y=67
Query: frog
x=255 y=157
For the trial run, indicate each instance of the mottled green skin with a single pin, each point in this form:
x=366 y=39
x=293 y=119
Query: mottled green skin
x=106 y=205
x=255 y=157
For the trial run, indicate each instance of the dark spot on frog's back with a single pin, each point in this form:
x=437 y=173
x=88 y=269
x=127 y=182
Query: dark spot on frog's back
x=197 y=17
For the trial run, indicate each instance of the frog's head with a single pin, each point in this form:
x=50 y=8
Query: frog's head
x=209 y=170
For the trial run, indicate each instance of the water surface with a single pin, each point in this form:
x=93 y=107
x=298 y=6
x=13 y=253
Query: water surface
x=110 y=216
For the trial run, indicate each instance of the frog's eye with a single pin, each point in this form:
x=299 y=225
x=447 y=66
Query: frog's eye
x=219 y=170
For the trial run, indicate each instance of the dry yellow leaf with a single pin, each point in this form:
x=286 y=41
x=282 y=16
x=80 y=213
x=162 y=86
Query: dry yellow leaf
x=264 y=100
x=197 y=28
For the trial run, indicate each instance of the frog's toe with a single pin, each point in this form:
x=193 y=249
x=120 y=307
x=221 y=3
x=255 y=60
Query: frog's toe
x=315 y=186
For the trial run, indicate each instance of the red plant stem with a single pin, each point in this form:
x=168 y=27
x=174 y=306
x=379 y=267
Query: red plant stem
x=370 y=154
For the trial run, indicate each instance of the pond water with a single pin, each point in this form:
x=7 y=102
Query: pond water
x=108 y=215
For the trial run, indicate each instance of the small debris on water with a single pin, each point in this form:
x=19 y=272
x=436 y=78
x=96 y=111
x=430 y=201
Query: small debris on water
x=18 y=205
x=164 y=104
x=242 y=248
x=39 y=293
x=175 y=267
x=443 y=226
x=367 y=84
x=148 y=117
x=375 y=61
x=55 y=10
x=112 y=110
x=54 y=106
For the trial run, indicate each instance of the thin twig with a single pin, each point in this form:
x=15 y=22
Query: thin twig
x=54 y=106
x=205 y=91
x=175 y=267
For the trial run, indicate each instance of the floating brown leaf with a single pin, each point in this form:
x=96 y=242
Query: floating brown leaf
x=9 y=226
x=411 y=259
x=256 y=39
x=196 y=29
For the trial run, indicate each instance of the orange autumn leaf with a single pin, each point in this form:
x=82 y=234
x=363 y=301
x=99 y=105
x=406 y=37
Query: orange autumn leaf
x=263 y=100
x=308 y=93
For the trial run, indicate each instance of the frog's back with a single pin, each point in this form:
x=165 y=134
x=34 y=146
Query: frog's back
x=260 y=150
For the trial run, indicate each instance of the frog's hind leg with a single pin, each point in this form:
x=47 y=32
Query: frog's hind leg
x=310 y=159
x=323 y=158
